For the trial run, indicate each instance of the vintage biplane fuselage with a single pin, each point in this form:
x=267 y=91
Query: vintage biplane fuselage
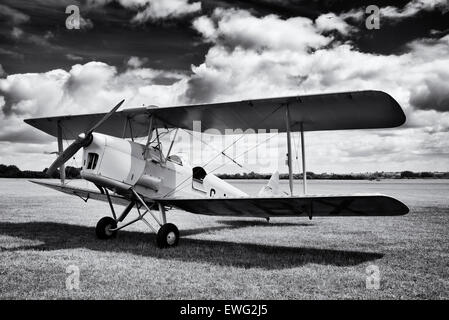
x=119 y=164
x=140 y=176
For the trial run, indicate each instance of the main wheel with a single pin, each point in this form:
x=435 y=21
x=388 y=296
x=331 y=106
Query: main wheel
x=104 y=226
x=167 y=236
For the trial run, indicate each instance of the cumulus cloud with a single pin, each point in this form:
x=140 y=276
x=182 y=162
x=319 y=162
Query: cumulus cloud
x=91 y=87
x=433 y=93
x=238 y=28
x=254 y=56
x=330 y=22
x=159 y=9
x=246 y=60
x=153 y=10
x=73 y=57
x=136 y=62
x=18 y=135
x=263 y=57
x=414 y=7
x=394 y=14
x=85 y=88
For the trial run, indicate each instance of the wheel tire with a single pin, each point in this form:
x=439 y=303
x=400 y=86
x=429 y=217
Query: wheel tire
x=167 y=236
x=103 y=226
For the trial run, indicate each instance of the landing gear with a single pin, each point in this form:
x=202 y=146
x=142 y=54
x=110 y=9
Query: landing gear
x=167 y=236
x=105 y=228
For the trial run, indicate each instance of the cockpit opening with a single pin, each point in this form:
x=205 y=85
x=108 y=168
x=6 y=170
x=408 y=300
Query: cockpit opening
x=198 y=174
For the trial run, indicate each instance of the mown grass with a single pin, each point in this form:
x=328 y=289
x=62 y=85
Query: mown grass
x=42 y=232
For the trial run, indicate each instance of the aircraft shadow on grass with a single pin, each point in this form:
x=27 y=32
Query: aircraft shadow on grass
x=236 y=224
x=57 y=236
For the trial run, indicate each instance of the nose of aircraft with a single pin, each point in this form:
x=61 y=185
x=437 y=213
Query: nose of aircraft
x=83 y=140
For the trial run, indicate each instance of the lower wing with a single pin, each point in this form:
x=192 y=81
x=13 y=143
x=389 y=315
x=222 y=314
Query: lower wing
x=82 y=193
x=316 y=205
x=329 y=205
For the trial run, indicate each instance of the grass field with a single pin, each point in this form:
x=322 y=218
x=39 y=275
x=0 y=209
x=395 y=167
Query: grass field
x=43 y=232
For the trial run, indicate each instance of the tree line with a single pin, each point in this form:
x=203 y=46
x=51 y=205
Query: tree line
x=337 y=176
x=12 y=171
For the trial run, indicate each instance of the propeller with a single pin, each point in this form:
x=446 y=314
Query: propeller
x=83 y=140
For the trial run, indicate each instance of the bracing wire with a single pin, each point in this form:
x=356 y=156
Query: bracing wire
x=222 y=152
x=209 y=145
x=242 y=135
x=162 y=135
x=242 y=154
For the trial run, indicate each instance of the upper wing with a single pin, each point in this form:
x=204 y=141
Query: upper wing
x=83 y=193
x=334 y=111
x=349 y=205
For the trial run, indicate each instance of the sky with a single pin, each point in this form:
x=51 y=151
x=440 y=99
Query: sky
x=174 y=52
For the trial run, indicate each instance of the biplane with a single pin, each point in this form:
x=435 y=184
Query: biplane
x=141 y=176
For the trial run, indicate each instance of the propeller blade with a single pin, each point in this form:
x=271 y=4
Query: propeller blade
x=71 y=150
x=82 y=141
x=106 y=117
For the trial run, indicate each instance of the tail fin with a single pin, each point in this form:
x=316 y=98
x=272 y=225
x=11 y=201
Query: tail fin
x=272 y=187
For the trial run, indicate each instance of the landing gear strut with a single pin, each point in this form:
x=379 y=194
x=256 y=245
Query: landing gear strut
x=167 y=234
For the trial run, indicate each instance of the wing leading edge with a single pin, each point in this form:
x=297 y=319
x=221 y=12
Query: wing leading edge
x=82 y=193
x=331 y=206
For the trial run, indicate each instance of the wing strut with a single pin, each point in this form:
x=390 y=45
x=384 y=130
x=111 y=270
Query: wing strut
x=150 y=133
x=289 y=148
x=303 y=158
x=172 y=142
x=60 y=151
x=289 y=155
